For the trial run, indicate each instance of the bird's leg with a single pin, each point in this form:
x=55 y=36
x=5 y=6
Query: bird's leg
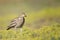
x=21 y=30
x=21 y=34
x=15 y=29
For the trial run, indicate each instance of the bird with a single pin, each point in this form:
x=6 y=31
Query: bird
x=18 y=22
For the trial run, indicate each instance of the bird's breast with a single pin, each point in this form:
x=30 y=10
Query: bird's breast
x=19 y=21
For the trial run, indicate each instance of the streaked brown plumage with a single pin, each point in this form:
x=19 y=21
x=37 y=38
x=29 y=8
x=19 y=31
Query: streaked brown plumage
x=17 y=22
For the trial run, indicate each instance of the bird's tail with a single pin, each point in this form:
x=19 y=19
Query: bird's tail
x=8 y=28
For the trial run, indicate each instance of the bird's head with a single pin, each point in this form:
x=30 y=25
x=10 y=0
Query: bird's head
x=23 y=15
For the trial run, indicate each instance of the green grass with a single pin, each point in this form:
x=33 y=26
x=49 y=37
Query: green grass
x=44 y=33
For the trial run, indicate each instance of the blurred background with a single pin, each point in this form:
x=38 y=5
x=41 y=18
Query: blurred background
x=42 y=21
